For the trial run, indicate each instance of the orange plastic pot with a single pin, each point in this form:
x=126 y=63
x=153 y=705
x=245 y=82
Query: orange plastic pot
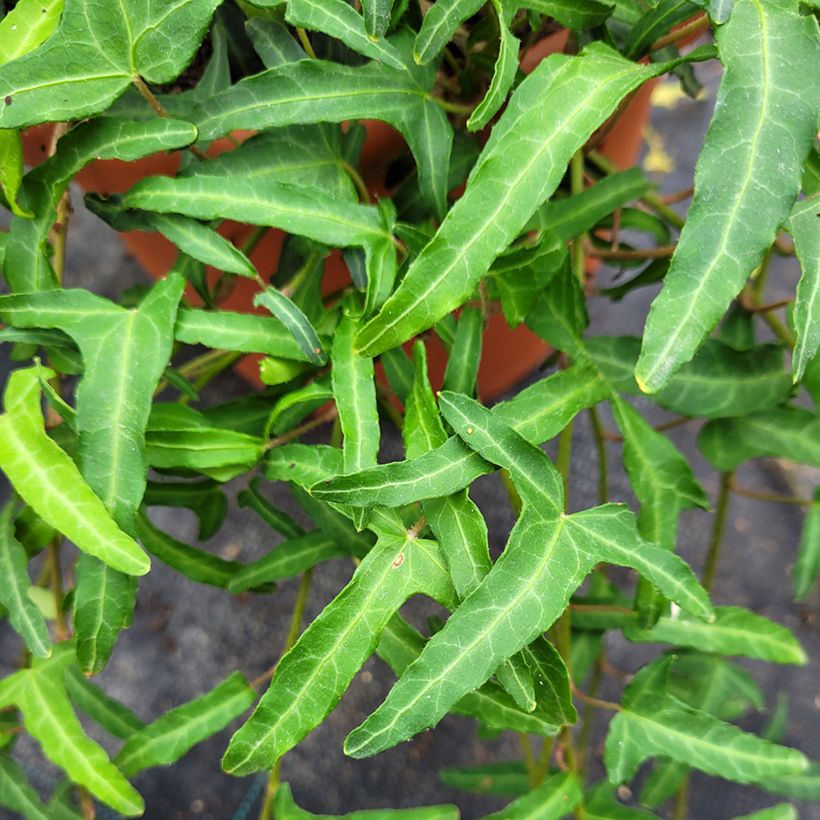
x=508 y=355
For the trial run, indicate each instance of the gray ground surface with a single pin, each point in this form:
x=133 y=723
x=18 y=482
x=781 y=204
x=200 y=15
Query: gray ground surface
x=186 y=638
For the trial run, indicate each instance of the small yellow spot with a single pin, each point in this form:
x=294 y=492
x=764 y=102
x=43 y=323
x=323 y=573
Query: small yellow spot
x=469 y=431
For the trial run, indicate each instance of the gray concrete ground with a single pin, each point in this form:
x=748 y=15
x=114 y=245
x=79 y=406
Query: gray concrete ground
x=186 y=637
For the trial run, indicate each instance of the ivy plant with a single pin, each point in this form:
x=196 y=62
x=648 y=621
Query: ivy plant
x=499 y=204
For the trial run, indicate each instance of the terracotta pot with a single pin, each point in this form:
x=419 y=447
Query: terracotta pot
x=508 y=355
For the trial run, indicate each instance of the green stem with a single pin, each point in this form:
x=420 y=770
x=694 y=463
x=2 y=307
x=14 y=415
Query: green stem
x=576 y=177
x=562 y=461
x=600 y=448
x=529 y=758
x=776 y=498
x=364 y=194
x=588 y=713
x=452 y=107
x=544 y=759
x=682 y=800
x=719 y=526
x=305 y=41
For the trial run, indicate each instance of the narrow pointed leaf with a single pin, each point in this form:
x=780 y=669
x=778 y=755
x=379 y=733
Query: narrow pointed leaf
x=17 y=794
x=784 y=811
x=764 y=123
x=109 y=45
x=23 y=615
x=11 y=171
x=582 y=91
x=537 y=413
x=502 y=778
x=312 y=677
x=786 y=432
x=287 y=809
x=295 y=321
x=26 y=266
x=400 y=645
x=89 y=698
x=804 y=785
x=552 y=800
x=274 y=517
x=735 y=631
x=225 y=330
x=656 y=23
x=361 y=32
x=40 y=694
x=302 y=464
x=272 y=41
x=171 y=736
x=653 y=723
x=52 y=485
x=318 y=91
x=807 y=566
x=804 y=224
x=462 y=365
x=205 y=499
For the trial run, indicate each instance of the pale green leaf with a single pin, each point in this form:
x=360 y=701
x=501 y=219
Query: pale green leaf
x=552 y=800
x=286 y=809
x=17 y=794
x=11 y=171
x=26 y=266
x=23 y=614
x=804 y=224
x=96 y=52
x=735 y=631
x=804 y=785
x=225 y=330
x=52 y=485
x=40 y=694
x=26 y=26
x=747 y=177
x=173 y=734
x=302 y=464
x=784 y=811
x=786 y=432
x=652 y=723
x=581 y=92
x=807 y=566
x=311 y=678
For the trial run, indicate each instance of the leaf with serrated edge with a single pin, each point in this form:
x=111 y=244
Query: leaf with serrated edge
x=26 y=266
x=547 y=557
x=735 y=631
x=804 y=225
x=173 y=734
x=108 y=44
x=51 y=484
x=537 y=413
x=581 y=92
x=652 y=723
x=747 y=177
x=40 y=694
x=23 y=615
x=311 y=678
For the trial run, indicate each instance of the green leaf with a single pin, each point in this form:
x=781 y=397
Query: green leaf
x=503 y=778
x=340 y=20
x=193 y=563
x=574 y=14
x=547 y=557
x=311 y=678
x=553 y=799
x=204 y=498
x=465 y=356
x=286 y=809
x=40 y=694
x=537 y=413
x=803 y=225
x=89 y=698
x=747 y=177
x=225 y=330
x=303 y=464
x=11 y=171
x=191 y=237
x=807 y=566
x=601 y=804
x=286 y=560
x=735 y=631
x=582 y=91
x=319 y=91
x=655 y=23
x=295 y=321
x=23 y=615
x=400 y=645
x=16 y=793
x=275 y=518
x=574 y=215
x=804 y=785
x=273 y=42
x=26 y=266
x=786 y=432
x=51 y=484
x=784 y=811
x=29 y=24
x=171 y=736
x=109 y=46
x=653 y=723
x=297 y=404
